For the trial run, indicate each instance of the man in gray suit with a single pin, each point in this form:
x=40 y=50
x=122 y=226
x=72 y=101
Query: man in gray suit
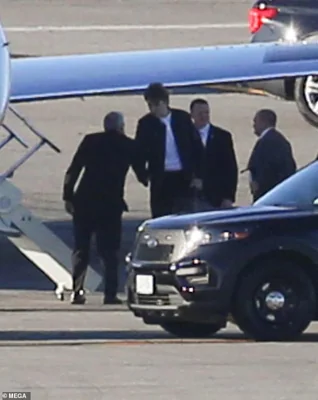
x=272 y=159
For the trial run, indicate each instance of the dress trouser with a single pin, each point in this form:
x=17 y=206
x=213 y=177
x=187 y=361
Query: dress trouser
x=107 y=230
x=169 y=193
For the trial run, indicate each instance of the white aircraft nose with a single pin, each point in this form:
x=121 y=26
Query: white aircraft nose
x=4 y=74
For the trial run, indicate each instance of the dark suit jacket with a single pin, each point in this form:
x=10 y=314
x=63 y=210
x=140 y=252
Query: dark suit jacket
x=105 y=158
x=271 y=161
x=218 y=166
x=150 y=141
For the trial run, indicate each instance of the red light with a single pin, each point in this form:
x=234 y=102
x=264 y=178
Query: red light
x=255 y=16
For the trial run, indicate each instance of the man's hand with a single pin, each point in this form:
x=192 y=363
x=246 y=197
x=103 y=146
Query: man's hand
x=69 y=208
x=253 y=187
x=196 y=183
x=226 y=203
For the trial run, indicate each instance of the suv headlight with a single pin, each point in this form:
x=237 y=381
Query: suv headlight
x=196 y=236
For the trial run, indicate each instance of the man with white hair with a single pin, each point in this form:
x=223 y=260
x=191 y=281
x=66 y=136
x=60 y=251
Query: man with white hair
x=98 y=203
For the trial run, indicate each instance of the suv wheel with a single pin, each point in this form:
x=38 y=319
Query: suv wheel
x=186 y=329
x=306 y=98
x=275 y=301
x=306 y=92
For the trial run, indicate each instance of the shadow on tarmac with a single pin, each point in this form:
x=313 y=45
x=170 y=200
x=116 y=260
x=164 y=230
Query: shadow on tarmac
x=105 y=335
x=123 y=337
x=18 y=273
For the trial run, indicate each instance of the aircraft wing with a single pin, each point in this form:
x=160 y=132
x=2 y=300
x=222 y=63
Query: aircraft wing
x=188 y=69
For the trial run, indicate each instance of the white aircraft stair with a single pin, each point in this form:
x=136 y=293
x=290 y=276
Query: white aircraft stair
x=28 y=233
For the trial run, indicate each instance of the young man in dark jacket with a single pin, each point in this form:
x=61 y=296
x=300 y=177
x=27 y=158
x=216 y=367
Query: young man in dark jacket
x=166 y=152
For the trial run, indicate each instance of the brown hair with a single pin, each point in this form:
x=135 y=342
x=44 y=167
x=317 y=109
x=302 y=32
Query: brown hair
x=156 y=92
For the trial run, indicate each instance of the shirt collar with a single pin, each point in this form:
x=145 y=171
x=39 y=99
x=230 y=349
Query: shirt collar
x=265 y=131
x=205 y=128
x=167 y=118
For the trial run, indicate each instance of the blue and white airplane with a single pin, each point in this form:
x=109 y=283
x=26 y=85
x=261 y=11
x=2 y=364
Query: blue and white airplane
x=183 y=70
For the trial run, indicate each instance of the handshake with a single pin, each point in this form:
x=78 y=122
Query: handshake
x=69 y=208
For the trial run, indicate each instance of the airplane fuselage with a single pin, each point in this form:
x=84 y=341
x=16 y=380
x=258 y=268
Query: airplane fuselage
x=4 y=75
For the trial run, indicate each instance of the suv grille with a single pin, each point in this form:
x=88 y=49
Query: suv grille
x=162 y=252
x=159 y=246
x=154 y=300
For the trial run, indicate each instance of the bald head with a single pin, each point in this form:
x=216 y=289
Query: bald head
x=114 y=121
x=264 y=119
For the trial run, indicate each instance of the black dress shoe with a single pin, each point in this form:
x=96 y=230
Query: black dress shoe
x=112 y=300
x=78 y=297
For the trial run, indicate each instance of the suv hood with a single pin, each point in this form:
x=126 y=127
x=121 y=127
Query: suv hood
x=238 y=214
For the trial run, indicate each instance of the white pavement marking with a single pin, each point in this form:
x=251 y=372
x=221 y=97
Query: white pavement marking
x=89 y=28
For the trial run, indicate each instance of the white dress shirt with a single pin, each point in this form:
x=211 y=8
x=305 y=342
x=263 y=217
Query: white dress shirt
x=204 y=134
x=172 y=159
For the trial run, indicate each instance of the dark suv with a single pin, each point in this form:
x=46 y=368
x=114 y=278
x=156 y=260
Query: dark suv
x=288 y=20
x=256 y=266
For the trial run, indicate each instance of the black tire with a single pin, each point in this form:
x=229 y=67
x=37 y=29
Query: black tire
x=184 y=329
x=299 y=92
x=251 y=313
x=302 y=104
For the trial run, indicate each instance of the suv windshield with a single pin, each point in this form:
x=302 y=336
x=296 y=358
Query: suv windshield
x=301 y=189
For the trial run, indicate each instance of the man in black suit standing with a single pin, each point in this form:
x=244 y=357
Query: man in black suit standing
x=166 y=152
x=218 y=165
x=98 y=203
x=272 y=159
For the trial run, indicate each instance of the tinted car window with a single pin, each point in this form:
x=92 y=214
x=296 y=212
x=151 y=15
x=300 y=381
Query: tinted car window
x=301 y=189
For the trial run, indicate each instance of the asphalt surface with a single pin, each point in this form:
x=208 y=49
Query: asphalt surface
x=126 y=359
x=97 y=354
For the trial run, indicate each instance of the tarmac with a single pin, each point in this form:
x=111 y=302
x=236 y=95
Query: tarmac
x=103 y=352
